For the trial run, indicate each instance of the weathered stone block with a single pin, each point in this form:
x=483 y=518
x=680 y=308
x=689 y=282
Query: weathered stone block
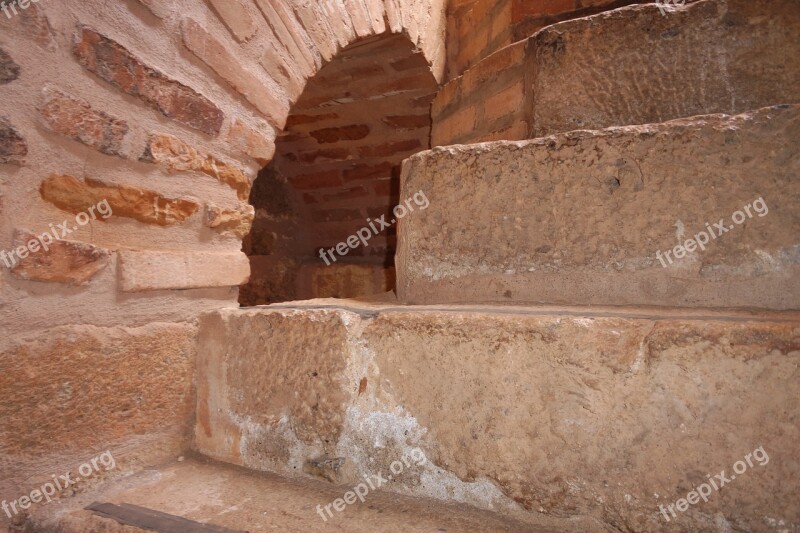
x=58 y=261
x=590 y=217
x=177 y=155
x=236 y=17
x=76 y=196
x=115 y=64
x=237 y=221
x=70 y=390
x=13 y=148
x=151 y=271
x=340 y=280
x=75 y=118
x=520 y=410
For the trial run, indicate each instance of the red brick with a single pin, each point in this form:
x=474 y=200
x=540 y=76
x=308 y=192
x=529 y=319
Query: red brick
x=506 y=102
x=298 y=120
x=334 y=154
x=344 y=133
x=347 y=194
x=317 y=180
x=13 y=147
x=9 y=71
x=115 y=64
x=75 y=118
x=365 y=172
x=337 y=215
x=388 y=149
x=408 y=121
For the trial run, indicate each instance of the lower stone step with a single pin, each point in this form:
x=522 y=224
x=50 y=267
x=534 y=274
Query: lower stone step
x=225 y=498
x=622 y=415
x=699 y=212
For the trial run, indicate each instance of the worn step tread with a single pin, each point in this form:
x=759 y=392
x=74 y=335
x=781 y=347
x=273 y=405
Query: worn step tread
x=232 y=497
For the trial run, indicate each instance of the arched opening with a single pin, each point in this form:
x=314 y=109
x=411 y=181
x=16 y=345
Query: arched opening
x=335 y=170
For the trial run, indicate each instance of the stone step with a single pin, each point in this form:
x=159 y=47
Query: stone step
x=598 y=414
x=220 y=495
x=597 y=217
x=633 y=65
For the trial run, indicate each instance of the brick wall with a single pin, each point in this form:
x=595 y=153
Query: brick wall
x=167 y=110
x=338 y=159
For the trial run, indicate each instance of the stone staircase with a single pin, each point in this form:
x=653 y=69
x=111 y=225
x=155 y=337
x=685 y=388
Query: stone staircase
x=543 y=360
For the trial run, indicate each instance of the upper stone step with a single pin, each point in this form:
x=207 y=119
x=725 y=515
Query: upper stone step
x=699 y=212
x=634 y=65
x=601 y=415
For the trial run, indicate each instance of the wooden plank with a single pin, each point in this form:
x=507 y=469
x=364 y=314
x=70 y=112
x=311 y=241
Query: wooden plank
x=143 y=518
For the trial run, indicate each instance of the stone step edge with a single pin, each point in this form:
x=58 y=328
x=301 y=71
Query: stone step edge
x=645 y=128
x=372 y=310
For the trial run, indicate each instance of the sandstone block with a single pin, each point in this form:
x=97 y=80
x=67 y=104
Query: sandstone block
x=70 y=388
x=588 y=217
x=75 y=118
x=237 y=221
x=71 y=262
x=115 y=64
x=76 y=196
x=178 y=155
x=9 y=70
x=13 y=148
x=523 y=411
x=150 y=271
x=236 y=17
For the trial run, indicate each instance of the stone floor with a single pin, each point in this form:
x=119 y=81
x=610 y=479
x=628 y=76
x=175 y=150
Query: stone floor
x=239 y=499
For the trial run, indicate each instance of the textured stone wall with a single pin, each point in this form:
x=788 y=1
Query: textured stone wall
x=478 y=28
x=162 y=112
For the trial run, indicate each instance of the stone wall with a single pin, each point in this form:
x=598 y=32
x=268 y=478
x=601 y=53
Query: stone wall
x=478 y=28
x=143 y=125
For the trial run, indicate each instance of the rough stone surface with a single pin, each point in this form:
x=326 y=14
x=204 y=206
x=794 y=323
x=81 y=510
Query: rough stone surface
x=580 y=218
x=177 y=155
x=259 y=503
x=76 y=196
x=69 y=262
x=69 y=392
x=13 y=148
x=238 y=220
x=635 y=66
x=9 y=70
x=524 y=411
x=150 y=271
x=75 y=118
x=115 y=64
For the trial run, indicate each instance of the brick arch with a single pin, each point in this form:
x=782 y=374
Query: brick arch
x=298 y=38
x=336 y=168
